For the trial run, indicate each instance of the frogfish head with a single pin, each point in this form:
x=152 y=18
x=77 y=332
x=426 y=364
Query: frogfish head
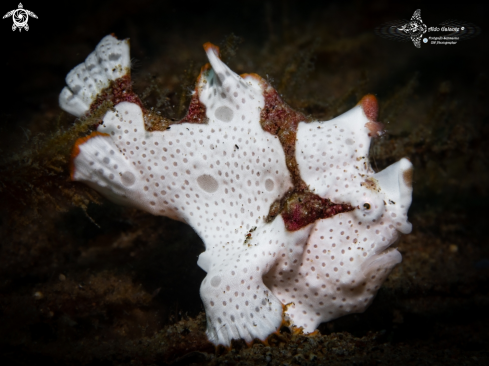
x=383 y=207
x=354 y=249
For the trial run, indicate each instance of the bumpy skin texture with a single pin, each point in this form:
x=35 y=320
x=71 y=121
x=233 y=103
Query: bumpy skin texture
x=221 y=173
x=346 y=258
x=110 y=61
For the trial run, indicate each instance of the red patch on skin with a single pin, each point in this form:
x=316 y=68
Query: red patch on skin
x=370 y=107
x=196 y=110
x=119 y=90
x=76 y=150
x=276 y=115
x=279 y=119
x=302 y=209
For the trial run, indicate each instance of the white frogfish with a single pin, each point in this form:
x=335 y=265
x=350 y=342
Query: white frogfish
x=296 y=224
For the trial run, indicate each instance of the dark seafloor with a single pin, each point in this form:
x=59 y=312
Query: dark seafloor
x=86 y=282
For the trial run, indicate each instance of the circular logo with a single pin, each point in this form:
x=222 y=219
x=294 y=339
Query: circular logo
x=425 y=40
x=20 y=18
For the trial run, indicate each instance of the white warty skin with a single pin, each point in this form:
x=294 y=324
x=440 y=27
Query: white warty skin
x=221 y=178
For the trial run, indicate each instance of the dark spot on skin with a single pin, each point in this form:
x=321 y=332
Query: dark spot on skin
x=114 y=56
x=407 y=175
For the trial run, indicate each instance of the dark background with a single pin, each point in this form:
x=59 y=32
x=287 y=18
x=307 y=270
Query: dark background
x=83 y=281
x=52 y=46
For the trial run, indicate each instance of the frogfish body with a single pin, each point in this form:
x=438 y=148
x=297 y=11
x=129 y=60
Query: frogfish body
x=297 y=226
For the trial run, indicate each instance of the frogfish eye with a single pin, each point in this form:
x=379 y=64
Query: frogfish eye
x=366 y=205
